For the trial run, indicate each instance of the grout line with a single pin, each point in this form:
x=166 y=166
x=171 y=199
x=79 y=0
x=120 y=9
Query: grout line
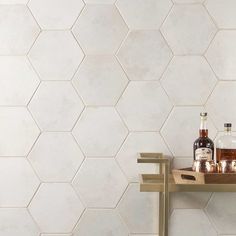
x=77 y=18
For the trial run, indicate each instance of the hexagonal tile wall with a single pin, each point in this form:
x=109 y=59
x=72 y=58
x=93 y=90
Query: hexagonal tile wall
x=56 y=234
x=100 y=29
x=56 y=55
x=188 y=1
x=15 y=91
x=100 y=1
x=100 y=131
x=18 y=182
x=221 y=113
x=56 y=14
x=56 y=157
x=139 y=210
x=144 y=14
x=100 y=223
x=189 y=200
x=195 y=221
x=223 y=14
x=223 y=213
x=143 y=235
x=184 y=122
x=17 y=221
x=19 y=24
x=100 y=80
x=188 y=80
x=13 y=1
x=144 y=106
x=56 y=106
x=18 y=131
x=56 y=208
x=144 y=55
x=104 y=187
x=188 y=29
x=135 y=143
x=222 y=55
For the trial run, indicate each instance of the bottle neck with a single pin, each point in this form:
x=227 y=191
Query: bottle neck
x=203 y=131
x=227 y=131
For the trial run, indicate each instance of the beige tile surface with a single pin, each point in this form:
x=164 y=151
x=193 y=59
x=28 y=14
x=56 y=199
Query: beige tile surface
x=104 y=187
x=100 y=131
x=144 y=55
x=188 y=29
x=100 y=29
x=56 y=14
x=100 y=223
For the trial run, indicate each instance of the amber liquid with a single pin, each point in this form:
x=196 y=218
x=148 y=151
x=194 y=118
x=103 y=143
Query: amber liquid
x=203 y=142
x=225 y=154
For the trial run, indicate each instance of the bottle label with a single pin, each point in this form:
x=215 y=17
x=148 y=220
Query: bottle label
x=203 y=154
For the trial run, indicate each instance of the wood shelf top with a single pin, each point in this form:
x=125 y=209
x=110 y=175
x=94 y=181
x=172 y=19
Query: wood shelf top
x=154 y=183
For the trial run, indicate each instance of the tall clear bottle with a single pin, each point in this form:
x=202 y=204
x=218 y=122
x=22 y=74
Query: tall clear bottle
x=203 y=147
x=226 y=145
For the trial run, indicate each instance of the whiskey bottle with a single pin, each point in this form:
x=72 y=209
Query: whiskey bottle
x=203 y=147
x=226 y=145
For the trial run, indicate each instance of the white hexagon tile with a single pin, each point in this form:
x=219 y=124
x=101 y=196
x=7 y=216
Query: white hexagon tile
x=100 y=223
x=56 y=55
x=222 y=55
x=184 y=122
x=100 y=29
x=56 y=14
x=17 y=221
x=222 y=12
x=190 y=220
x=18 y=131
x=56 y=234
x=100 y=131
x=86 y=85
x=144 y=106
x=189 y=200
x=144 y=55
x=139 y=210
x=17 y=31
x=56 y=208
x=188 y=1
x=188 y=80
x=14 y=2
x=188 y=29
x=15 y=91
x=144 y=14
x=135 y=143
x=221 y=104
x=223 y=213
x=104 y=187
x=100 y=80
x=56 y=106
x=17 y=181
x=99 y=1
x=56 y=157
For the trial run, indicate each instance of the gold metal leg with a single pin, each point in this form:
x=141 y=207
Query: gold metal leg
x=166 y=199
x=164 y=202
x=161 y=214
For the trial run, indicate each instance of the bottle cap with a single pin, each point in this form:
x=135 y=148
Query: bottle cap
x=227 y=125
x=203 y=114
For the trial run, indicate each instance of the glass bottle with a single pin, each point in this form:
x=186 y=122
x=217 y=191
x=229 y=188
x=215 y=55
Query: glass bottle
x=203 y=147
x=226 y=145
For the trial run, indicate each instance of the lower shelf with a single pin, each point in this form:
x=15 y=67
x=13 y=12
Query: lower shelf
x=155 y=183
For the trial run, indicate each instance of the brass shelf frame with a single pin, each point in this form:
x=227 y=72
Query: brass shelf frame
x=164 y=184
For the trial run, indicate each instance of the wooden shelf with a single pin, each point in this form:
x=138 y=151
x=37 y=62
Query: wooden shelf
x=155 y=183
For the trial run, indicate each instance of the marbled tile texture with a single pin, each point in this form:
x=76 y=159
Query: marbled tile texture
x=85 y=85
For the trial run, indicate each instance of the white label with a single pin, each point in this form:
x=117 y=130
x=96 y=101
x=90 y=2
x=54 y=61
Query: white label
x=203 y=154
